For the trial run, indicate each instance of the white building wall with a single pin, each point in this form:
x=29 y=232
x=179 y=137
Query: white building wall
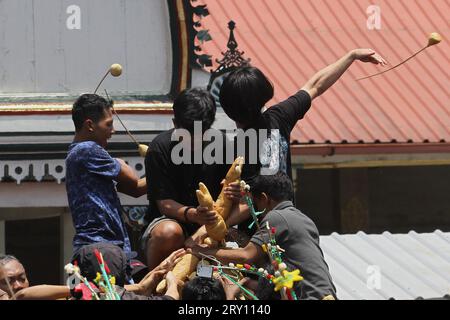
x=65 y=47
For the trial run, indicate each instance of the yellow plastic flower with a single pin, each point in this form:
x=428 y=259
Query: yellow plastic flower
x=98 y=278
x=113 y=280
x=287 y=279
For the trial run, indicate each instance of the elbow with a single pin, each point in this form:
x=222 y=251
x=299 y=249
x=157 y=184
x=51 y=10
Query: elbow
x=318 y=89
x=133 y=190
x=319 y=93
x=21 y=295
x=314 y=89
x=243 y=256
x=250 y=259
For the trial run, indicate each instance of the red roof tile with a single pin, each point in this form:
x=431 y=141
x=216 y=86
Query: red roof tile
x=292 y=39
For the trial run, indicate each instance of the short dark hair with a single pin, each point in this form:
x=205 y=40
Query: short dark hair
x=113 y=256
x=278 y=186
x=194 y=105
x=244 y=92
x=201 y=288
x=89 y=106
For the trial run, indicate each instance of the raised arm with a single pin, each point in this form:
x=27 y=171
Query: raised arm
x=328 y=76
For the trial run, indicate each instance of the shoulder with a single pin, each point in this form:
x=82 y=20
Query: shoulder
x=289 y=216
x=276 y=218
x=300 y=100
x=162 y=141
x=299 y=221
x=81 y=146
x=83 y=149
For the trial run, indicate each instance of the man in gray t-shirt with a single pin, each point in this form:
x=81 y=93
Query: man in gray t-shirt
x=294 y=232
x=299 y=237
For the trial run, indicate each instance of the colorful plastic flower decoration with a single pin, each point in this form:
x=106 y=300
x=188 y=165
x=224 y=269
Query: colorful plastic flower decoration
x=287 y=280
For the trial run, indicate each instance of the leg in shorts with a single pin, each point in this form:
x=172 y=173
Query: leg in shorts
x=163 y=236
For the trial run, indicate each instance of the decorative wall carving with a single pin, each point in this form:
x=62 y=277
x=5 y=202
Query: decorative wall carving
x=36 y=170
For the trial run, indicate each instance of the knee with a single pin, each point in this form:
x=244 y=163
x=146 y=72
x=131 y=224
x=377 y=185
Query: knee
x=169 y=231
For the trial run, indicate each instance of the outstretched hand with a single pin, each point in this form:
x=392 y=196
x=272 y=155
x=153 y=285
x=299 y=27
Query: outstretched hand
x=368 y=55
x=148 y=284
x=170 y=262
x=231 y=289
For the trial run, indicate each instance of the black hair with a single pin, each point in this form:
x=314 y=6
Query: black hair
x=89 y=106
x=194 y=105
x=201 y=288
x=244 y=92
x=5 y=258
x=113 y=256
x=278 y=186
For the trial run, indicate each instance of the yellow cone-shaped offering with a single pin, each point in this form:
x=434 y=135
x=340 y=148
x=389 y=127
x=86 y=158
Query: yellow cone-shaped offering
x=143 y=150
x=434 y=38
x=116 y=70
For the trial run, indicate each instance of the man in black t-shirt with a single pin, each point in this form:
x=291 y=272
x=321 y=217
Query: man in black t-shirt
x=244 y=94
x=173 y=209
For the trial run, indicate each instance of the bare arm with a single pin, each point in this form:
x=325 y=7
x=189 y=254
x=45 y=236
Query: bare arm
x=239 y=214
x=129 y=183
x=173 y=286
x=172 y=209
x=175 y=210
x=43 y=292
x=250 y=254
x=148 y=284
x=328 y=76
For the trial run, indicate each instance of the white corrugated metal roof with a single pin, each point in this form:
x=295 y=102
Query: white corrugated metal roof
x=383 y=266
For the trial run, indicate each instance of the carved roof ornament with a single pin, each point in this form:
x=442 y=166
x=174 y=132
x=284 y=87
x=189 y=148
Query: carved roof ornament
x=232 y=58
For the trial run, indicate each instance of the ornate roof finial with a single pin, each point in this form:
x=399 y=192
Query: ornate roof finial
x=232 y=58
x=232 y=44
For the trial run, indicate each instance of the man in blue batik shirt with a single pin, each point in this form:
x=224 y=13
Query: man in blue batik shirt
x=93 y=177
